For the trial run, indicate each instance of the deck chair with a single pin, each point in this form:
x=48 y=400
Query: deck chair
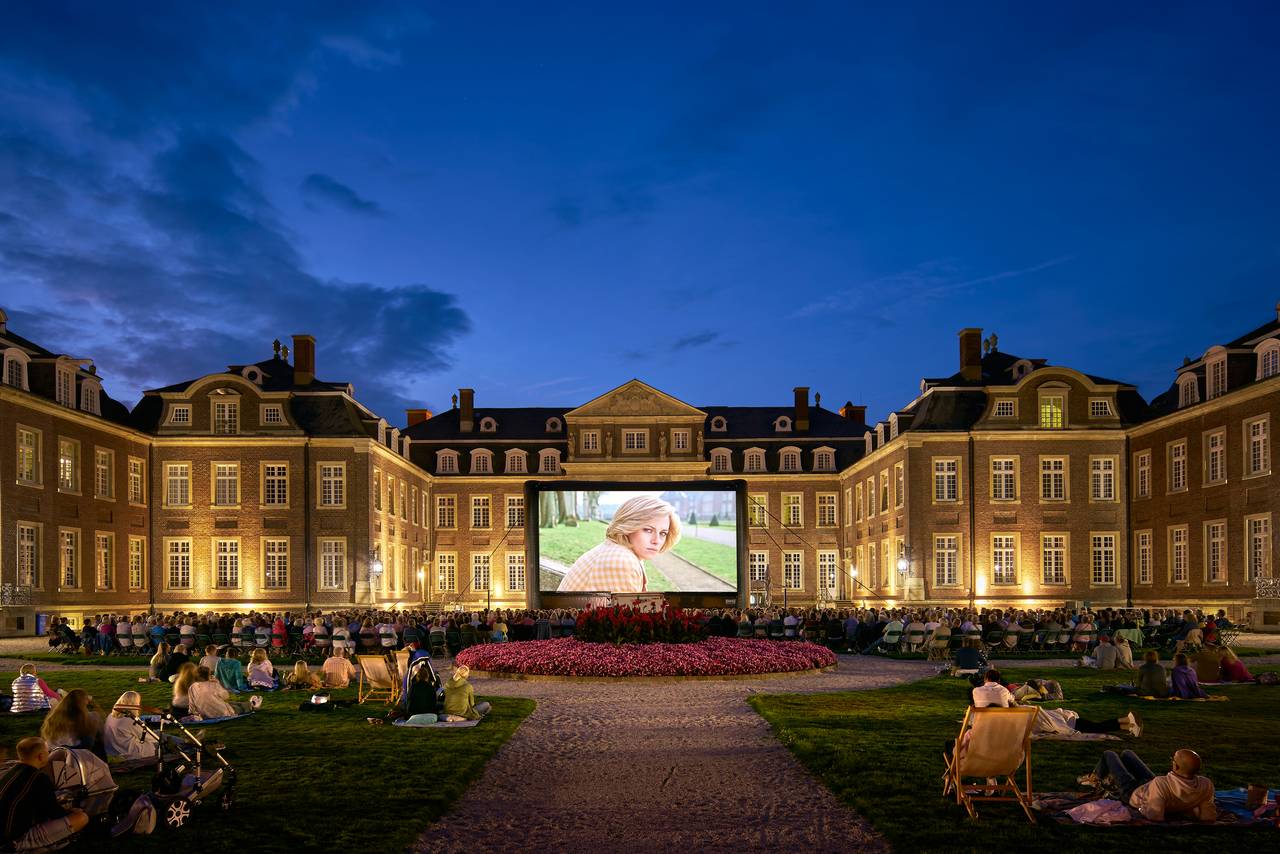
x=377 y=682
x=402 y=664
x=993 y=743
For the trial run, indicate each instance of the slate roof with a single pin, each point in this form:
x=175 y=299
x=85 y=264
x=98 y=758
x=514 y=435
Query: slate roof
x=277 y=375
x=41 y=379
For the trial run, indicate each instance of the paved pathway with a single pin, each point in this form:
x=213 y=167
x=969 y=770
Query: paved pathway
x=653 y=767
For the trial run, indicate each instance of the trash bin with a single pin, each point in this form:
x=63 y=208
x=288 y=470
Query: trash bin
x=42 y=624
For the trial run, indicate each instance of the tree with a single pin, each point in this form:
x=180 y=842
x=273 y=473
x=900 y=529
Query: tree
x=693 y=518
x=715 y=521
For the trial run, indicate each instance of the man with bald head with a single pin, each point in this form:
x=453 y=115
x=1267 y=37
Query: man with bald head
x=1181 y=792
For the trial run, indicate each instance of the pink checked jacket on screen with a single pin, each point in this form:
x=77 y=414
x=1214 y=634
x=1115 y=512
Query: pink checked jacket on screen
x=607 y=568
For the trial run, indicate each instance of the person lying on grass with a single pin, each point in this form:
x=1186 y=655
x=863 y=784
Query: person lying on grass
x=1051 y=721
x=1182 y=793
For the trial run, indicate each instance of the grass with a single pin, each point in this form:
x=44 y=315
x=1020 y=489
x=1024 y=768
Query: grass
x=318 y=781
x=881 y=753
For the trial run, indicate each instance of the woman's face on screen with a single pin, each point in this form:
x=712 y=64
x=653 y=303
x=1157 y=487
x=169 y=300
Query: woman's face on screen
x=651 y=537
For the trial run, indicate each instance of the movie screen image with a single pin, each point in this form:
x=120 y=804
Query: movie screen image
x=643 y=541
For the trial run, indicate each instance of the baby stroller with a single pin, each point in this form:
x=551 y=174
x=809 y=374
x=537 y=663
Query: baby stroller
x=83 y=781
x=182 y=779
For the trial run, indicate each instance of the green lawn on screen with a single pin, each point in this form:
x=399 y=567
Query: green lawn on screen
x=307 y=781
x=716 y=558
x=881 y=753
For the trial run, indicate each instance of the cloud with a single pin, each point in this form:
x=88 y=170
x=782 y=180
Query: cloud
x=690 y=342
x=321 y=187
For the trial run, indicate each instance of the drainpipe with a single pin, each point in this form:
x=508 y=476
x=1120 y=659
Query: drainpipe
x=973 y=567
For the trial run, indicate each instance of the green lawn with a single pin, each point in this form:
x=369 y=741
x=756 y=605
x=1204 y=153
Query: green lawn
x=881 y=753
x=310 y=782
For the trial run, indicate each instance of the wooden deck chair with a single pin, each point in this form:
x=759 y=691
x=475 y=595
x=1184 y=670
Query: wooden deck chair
x=402 y=664
x=993 y=743
x=377 y=682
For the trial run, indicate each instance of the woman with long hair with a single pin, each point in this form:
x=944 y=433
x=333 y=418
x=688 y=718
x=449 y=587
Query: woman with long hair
x=73 y=723
x=181 y=705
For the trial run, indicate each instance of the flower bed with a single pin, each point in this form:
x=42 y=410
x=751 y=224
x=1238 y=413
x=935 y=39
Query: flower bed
x=712 y=657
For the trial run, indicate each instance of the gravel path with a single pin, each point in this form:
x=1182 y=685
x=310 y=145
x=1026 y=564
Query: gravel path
x=655 y=767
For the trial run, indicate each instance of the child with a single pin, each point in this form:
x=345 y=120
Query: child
x=261 y=673
x=642 y=528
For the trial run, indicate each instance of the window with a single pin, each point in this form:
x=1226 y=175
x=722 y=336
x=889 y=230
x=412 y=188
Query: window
x=480 y=511
x=180 y=414
x=1142 y=474
x=1004 y=479
x=333 y=485
x=178 y=554
x=858 y=502
x=15 y=368
x=1268 y=358
x=680 y=440
x=789 y=459
x=946 y=559
x=29 y=462
x=848 y=506
x=1006 y=408
x=827 y=510
x=515 y=511
x=884 y=491
x=137 y=563
x=1099 y=407
x=273 y=414
x=446 y=462
x=1103 y=559
x=404 y=510
x=589 y=441
x=1215 y=552
x=447 y=572
x=89 y=396
x=516 y=462
x=479 y=572
x=757 y=511
x=65 y=392
x=758 y=566
x=871 y=497
x=226 y=555
x=824 y=460
x=720 y=460
x=515 y=572
x=104 y=551
x=1053 y=479
x=137 y=481
x=391 y=495
x=1102 y=479
x=635 y=440
x=488 y=425
x=792 y=570
x=275 y=563
x=946 y=480
x=1216 y=372
x=377 y=490
x=446 y=511
x=413 y=503
x=226 y=417
x=1053 y=558
x=1177 y=453
x=554 y=425
x=275 y=484
x=548 y=462
x=1143 y=556
x=1258 y=446
x=1004 y=559
x=333 y=563
x=753 y=460
x=718 y=424
x=226 y=484
x=782 y=424
x=792 y=514
x=900 y=485
x=177 y=484
x=1258 y=547
x=1178 y=570
x=29 y=542
x=827 y=571
x=104 y=480
x=1053 y=409
x=1215 y=457
x=68 y=465
x=1188 y=391
x=69 y=557
x=481 y=462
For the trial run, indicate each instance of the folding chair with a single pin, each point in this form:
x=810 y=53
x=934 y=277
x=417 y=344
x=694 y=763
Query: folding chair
x=377 y=682
x=939 y=648
x=914 y=640
x=436 y=642
x=993 y=743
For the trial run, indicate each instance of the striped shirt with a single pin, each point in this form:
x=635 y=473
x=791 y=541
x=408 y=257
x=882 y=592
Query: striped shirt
x=607 y=568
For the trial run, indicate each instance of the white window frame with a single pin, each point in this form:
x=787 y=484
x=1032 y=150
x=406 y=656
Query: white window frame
x=549 y=461
x=1102 y=480
x=1004 y=480
x=227 y=548
x=516 y=461
x=1144 y=566
x=1100 y=407
x=226 y=422
x=758 y=509
x=824 y=459
x=719 y=424
x=267 y=410
x=481 y=513
x=137 y=563
x=1176 y=465
x=680 y=440
x=1188 y=390
x=635 y=441
x=277 y=484
x=481 y=570
x=29 y=549
x=946 y=480
x=30 y=457
x=758 y=566
x=1060 y=544
x=174 y=555
x=69 y=474
x=1215 y=540
x=488 y=425
x=1142 y=474
x=136 y=469
x=447 y=572
x=91 y=396
x=331 y=475
x=177 y=473
x=900 y=485
x=1049 y=471
x=789 y=459
x=16 y=365
x=1104 y=559
x=218 y=477
x=1006 y=407
x=333 y=558
x=1213 y=455
x=589 y=442
x=1258 y=546
x=721 y=461
x=946 y=570
x=1215 y=376
x=179 y=415
x=1268 y=357
x=828 y=570
x=517 y=572
x=826 y=516
x=1044 y=402
x=1174 y=542
x=1262 y=467
x=447 y=462
x=481 y=461
x=447 y=512
x=793 y=510
x=515 y=511
x=792 y=570
x=70 y=543
x=65 y=385
x=1005 y=546
x=104 y=560
x=271 y=555
x=753 y=461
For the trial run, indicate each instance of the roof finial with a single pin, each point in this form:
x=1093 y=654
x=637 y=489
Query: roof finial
x=284 y=352
x=817 y=400
x=995 y=342
x=275 y=347
x=455 y=401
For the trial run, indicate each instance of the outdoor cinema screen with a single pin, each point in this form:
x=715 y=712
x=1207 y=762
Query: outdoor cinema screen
x=638 y=541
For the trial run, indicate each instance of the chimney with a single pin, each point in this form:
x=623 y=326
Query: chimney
x=304 y=359
x=416 y=416
x=467 y=417
x=971 y=354
x=802 y=408
x=4 y=320
x=856 y=414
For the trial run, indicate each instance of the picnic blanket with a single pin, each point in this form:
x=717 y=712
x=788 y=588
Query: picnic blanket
x=1074 y=736
x=191 y=719
x=1212 y=698
x=1229 y=683
x=438 y=724
x=1062 y=807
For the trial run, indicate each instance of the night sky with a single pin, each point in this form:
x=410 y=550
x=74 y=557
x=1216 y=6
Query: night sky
x=542 y=201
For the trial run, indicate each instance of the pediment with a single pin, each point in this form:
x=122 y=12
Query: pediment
x=635 y=399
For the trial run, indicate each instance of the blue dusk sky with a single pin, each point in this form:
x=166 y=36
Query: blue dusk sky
x=542 y=201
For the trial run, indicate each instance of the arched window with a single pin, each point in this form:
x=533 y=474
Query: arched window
x=1268 y=353
x=517 y=461
x=753 y=460
x=15 y=368
x=1021 y=368
x=252 y=373
x=721 y=460
x=782 y=424
x=1188 y=390
x=1215 y=372
x=481 y=461
x=718 y=424
x=824 y=459
x=90 y=396
x=789 y=459
x=446 y=462
x=893 y=425
x=554 y=425
x=548 y=461
x=488 y=425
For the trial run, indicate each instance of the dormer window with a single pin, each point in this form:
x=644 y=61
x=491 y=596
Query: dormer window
x=481 y=461
x=90 y=396
x=1099 y=407
x=516 y=462
x=1053 y=407
x=880 y=434
x=718 y=424
x=382 y=432
x=446 y=462
x=1215 y=373
x=789 y=459
x=1268 y=353
x=15 y=368
x=272 y=414
x=226 y=417
x=394 y=444
x=1188 y=392
x=554 y=425
x=824 y=459
x=753 y=460
x=868 y=442
x=1021 y=368
x=782 y=424
x=180 y=414
x=65 y=390
x=253 y=374
x=488 y=425
x=548 y=461
x=1006 y=408
x=720 y=461
x=893 y=425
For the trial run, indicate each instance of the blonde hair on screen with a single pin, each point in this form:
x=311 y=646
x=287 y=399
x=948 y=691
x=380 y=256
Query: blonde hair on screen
x=635 y=512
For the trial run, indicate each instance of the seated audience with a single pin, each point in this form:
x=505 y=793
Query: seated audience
x=1050 y=721
x=1124 y=653
x=156 y=666
x=301 y=678
x=30 y=692
x=1182 y=681
x=1182 y=792
x=338 y=669
x=122 y=738
x=33 y=818
x=1232 y=668
x=991 y=692
x=208 y=699
x=460 y=697
x=74 y=723
x=1194 y=638
x=423 y=693
x=173 y=664
x=1106 y=654
x=262 y=674
x=230 y=672
x=210 y=658
x=179 y=706
x=1151 y=676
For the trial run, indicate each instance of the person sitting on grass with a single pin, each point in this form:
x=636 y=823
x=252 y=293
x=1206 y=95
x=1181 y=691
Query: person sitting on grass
x=156 y=665
x=122 y=738
x=301 y=678
x=1182 y=681
x=74 y=723
x=173 y=663
x=1182 y=792
x=208 y=699
x=230 y=671
x=460 y=697
x=1193 y=639
x=30 y=692
x=1124 y=653
x=262 y=674
x=210 y=658
x=338 y=669
x=179 y=705
x=1151 y=676
x=424 y=698
x=33 y=818
x=1232 y=669
x=1106 y=654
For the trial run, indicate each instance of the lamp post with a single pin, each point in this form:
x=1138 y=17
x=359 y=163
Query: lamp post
x=375 y=572
x=904 y=569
